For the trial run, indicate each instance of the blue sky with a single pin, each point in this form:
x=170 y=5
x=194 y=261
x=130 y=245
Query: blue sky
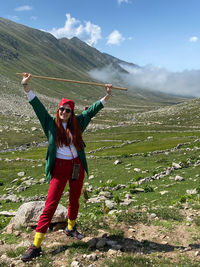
x=162 y=33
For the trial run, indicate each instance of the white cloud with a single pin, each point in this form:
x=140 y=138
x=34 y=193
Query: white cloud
x=23 y=8
x=193 y=39
x=88 y=32
x=123 y=1
x=185 y=83
x=115 y=38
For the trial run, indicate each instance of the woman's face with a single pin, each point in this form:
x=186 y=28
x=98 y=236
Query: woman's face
x=65 y=112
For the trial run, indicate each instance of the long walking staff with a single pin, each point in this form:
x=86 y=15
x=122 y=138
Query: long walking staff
x=72 y=81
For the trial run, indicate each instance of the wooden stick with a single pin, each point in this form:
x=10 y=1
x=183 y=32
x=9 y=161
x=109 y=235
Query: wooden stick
x=73 y=81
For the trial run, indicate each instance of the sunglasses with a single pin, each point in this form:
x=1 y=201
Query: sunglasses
x=67 y=110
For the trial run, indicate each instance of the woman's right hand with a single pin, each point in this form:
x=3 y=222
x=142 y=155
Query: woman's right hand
x=25 y=80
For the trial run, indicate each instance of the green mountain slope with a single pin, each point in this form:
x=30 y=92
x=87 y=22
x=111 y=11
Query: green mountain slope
x=26 y=49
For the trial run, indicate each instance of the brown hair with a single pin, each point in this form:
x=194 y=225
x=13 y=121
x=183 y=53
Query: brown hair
x=63 y=136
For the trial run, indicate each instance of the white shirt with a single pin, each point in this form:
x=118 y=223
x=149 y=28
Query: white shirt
x=66 y=152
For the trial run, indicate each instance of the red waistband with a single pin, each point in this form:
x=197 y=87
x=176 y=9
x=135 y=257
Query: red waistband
x=64 y=161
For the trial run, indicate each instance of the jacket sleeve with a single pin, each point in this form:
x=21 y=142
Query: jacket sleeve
x=42 y=114
x=85 y=117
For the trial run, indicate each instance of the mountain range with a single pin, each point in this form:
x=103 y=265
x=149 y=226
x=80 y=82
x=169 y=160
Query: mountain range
x=24 y=49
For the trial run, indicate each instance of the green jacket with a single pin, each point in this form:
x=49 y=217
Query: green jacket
x=49 y=128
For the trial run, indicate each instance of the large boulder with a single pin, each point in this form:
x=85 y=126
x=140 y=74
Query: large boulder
x=28 y=214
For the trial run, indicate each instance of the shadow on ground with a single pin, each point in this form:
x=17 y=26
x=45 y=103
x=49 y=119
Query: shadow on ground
x=125 y=245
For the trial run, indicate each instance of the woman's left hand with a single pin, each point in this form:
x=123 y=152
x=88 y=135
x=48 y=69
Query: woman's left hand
x=108 y=87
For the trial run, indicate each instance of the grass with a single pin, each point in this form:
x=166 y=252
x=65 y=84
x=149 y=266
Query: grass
x=107 y=176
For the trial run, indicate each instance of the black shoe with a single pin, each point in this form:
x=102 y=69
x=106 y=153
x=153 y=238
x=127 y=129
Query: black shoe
x=32 y=252
x=73 y=233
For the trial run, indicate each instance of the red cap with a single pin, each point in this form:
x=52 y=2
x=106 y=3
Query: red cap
x=68 y=102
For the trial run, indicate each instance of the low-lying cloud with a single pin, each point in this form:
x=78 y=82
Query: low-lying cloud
x=185 y=83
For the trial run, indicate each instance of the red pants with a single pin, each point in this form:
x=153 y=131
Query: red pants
x=61 y=174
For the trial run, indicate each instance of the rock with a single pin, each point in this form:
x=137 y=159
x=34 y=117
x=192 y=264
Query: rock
x=197 y=253
x=25 y=243
x=128 y=165
x=33 y=129
x=92 y=257
x=10 y=228
x=176 y=165
x=12 y=198
x=113 y=212
x=117 y=162
x=4 y=258
x=137 y=170
x=28 y=214
x=179 y=178
x=126 y=202
x=188 y=219
x=168 y=171
x=7 y=213
x=153 y=215
x=111 y=252
x=76 y=264
x=139 y=190
x=105 y=194
x=96 y=199
x=15 y=180
x=110 y=204
x=21 y=174
x=42 y=181
x=191 y=191
x=128 y=196
x=163 y=192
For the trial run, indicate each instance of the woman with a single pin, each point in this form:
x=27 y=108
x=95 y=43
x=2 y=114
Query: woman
x=65 y=160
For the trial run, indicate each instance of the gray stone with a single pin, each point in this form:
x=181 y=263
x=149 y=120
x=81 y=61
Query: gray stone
x=76 y=264
x=92 y=257
x=12 y=198
x=42 y=181
x=110 y=204
x=137 y=170
x=179 y=178
x=28 y=214
x=163 y=192
x=191 y=191
x=105 y=194
x=138 y=190
x=21 y=174
x=176 y=165
x=117 y=162
x=7 y=213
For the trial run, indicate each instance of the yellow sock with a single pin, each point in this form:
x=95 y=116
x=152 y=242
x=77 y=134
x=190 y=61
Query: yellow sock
x=38 y=239
x=71 y=224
